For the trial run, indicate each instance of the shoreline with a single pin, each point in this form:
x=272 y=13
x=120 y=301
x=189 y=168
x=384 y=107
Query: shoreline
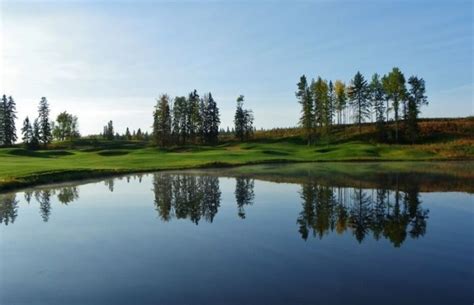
x=72 y=175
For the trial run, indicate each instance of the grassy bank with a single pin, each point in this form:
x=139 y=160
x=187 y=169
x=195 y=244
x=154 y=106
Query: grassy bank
x=19 y=167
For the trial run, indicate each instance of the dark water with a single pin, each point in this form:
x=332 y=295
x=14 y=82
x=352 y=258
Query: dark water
x=289 y=234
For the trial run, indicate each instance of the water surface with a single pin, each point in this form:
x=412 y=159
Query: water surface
x=270 y=234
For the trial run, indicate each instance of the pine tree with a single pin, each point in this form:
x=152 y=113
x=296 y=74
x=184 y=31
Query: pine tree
x=108 y=132
x=319 y=90
x=45 y=125
x=27 y=132
x=193 y=119
x=128 y=136
x=359 y=98
x=3 y=113
x=239 y=119
x=416 y=99
x=162 y=121
x=211 y=120
x=9 y=117
x=307 y=116
x=330 y=105
x=180 y=120
x=377 y=96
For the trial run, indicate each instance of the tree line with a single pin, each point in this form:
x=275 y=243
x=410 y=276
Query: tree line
x=38 y=132
x=324 y=104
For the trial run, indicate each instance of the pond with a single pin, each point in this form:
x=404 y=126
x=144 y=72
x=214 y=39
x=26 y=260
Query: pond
x=347 y=233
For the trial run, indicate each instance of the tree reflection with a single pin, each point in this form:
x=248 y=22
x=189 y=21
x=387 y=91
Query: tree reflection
x=244 y=194
x=325 y=209
x=8 y=208
x=68 y=194
x=186 y=196
x=43 y=197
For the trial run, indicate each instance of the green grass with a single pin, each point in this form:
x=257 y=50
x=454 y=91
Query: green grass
x=19 y=167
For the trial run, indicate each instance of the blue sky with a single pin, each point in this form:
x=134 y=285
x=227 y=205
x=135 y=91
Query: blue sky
x=109 y=60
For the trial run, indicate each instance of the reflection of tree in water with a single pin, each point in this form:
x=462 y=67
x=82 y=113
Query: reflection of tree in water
x=186 y=196
x=44 y=199
x=8 y=208
x=383 y=213
x=244 y=194
x=68 y=194
x=110 y=184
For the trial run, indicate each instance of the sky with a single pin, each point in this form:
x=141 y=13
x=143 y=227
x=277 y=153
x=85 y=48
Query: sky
x=110 y=60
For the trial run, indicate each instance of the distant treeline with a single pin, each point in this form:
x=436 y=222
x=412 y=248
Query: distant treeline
x=324 y=104
x=195 y=120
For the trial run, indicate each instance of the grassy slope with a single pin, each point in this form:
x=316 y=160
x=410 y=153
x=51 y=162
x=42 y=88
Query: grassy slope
x=19 y=167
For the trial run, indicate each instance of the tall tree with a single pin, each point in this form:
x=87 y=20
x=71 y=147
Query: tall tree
x=394 y=86
x=416 y=99
x=330 y=106
x=66 y=127
x=239 y=119
x=303 y=94
x=36 y=138
x=359 y=98
x=128 y=136
x=377 y=96
x=210 y=120
x=162 y=121
x=27 y=132
x=180 y=130
x=319 y=90
x=341 y=99
x=9 y=117
x=45 y=125
x=193 y=122
x=3 y=113
x=108 y=132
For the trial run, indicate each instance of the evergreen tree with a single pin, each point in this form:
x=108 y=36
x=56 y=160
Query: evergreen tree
x=3 y=113
x=377 y=96
x=193 y=119
x=416 y=99
x=330 y=106
x=27 y=132
x=341 y=98
x=108 y=132
x=239 y=119
x=162 y=121
x=211 y=120
x=394 y=86
x=45 y=125
x=243 y=120
x=128 y=136
x=307 y=116
x=9 y=117
x=36 y=138
x=359 y=98
x=180 y=130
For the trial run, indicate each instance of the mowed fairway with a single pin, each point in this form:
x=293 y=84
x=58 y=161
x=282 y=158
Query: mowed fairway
x=19 y=167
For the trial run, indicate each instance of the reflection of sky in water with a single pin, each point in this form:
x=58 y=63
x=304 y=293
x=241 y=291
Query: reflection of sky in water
x=113 y=247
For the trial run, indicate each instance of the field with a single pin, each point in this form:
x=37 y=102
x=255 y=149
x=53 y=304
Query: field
x=93 y=158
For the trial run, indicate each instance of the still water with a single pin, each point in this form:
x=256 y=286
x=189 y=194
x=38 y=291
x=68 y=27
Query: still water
x=269 y=234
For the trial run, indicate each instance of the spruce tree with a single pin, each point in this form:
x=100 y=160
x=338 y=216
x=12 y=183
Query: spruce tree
x=359 y=99
x=27 y=132
x=44 y=123
x=162 y=121
x=211 y=120
x=3 y=111
x=36 y=138
x=9 y=118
